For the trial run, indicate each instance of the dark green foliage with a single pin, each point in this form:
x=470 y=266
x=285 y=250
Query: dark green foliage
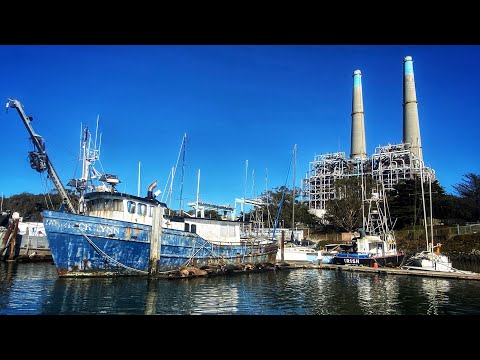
x=469 y=192
x=30 y=206
x=406 y=205
x=345 y=211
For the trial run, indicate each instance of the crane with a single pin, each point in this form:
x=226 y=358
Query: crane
x=39 y=159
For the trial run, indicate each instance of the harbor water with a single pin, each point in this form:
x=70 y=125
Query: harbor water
x=35 y=288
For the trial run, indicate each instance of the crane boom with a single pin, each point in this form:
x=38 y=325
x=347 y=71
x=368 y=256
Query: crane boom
x=43 y=159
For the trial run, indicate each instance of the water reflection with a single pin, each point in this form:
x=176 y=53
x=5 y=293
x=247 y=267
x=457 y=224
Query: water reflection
x=23 y=287
x=36 y=289
x=436 y=293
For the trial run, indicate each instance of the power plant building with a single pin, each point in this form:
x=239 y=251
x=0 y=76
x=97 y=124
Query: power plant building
x=388 y=165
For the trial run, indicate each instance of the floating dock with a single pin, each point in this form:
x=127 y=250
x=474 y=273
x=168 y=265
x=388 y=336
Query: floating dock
x=386 y=270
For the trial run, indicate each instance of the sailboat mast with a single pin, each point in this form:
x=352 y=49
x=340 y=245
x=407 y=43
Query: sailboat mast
x=431 y=208
x=423 y=204
x=138 y=187
x=364 y=225
x=183 y=170
x=266 y=194
x=198 y=191
x=293 y=192
x=245 y=191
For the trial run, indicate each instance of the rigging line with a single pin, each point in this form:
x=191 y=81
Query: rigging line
x=196 y=252
x=176 y=164
x=46 y=191
x=104 y=255
x=281 y=201
x=165 y=188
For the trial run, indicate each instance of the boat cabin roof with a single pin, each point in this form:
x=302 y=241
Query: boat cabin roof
x=121 y=196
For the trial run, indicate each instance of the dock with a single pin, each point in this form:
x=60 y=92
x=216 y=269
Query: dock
x=385 y=270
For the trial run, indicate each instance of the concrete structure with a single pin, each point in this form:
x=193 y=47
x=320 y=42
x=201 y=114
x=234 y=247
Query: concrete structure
x=411 y=126
x=358 y=145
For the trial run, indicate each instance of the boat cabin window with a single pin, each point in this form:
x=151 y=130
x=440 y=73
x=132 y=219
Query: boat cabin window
x=117 y=205
x=187 y=227
x=109 y=204
x=142 y=209
x=131 y=207
x=150 y=211
x=193 y=228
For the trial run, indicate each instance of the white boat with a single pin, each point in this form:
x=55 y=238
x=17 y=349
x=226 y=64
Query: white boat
x=297 y=253
x=430 y=259
x=326 y=255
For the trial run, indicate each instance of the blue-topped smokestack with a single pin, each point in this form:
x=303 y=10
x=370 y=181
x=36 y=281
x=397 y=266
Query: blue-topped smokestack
x=411 y=126
x=358 y=146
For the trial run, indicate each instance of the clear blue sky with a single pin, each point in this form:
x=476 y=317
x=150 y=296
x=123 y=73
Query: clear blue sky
x=235 y=103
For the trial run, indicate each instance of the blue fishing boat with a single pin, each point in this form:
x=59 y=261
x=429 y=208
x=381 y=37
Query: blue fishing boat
x=110 y=233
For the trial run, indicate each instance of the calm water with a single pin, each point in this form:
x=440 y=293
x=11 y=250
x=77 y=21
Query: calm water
x=33 y=289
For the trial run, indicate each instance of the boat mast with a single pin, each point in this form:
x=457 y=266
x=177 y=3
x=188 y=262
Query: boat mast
x=423 y=204
x=431 y=208
x=41 y=149
x=198 y=190
x=245 y=192
x=138 y=187
x=268 y=200
x=183 y=170
x=293 y=192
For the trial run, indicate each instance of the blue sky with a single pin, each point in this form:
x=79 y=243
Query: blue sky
x=235 y=103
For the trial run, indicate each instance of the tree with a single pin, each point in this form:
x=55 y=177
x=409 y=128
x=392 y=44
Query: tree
x=30 y=206
x=282 y=196
x=469 y=191
x=345 y=211
x=406 y=206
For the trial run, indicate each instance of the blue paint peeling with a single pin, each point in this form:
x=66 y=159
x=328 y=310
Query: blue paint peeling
x=90 y=246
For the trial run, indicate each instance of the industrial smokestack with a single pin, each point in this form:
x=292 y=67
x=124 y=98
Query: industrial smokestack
x=411 y=127
x=358 y=146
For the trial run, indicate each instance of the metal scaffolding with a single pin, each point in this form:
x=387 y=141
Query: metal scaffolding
x=388 y=165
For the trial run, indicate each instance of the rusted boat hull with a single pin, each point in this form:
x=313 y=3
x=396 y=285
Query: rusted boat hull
x=90 y=246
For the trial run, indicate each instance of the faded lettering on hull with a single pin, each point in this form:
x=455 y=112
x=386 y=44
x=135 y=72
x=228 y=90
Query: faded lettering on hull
x=98 y=229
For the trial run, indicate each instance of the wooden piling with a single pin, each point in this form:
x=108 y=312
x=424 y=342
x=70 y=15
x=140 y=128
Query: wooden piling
x=282 y=247
x=155 y=239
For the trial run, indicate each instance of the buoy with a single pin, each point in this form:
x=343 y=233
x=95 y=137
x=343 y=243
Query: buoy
x=375 y=264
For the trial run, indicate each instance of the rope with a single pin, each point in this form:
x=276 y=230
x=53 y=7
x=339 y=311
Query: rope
x=104 y=255
x=195 y=253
